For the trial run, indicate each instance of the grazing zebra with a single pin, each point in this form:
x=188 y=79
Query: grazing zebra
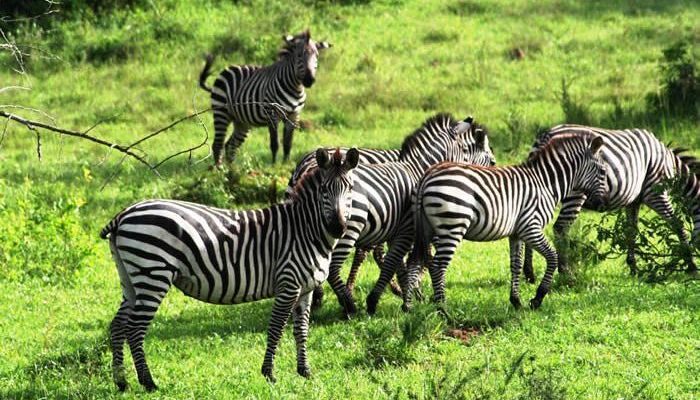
x=251 y=96
x=229 y=257
x=637 y=163
x=381 y=209
x=457 y=201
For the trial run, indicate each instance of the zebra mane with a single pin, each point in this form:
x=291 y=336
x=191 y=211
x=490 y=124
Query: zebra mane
x=288 y=47
x=441 y=122
x=544 y=138
x=301 y=186
x=553 y=140
x=688 y=160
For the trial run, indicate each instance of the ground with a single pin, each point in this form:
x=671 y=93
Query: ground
x=517 y=67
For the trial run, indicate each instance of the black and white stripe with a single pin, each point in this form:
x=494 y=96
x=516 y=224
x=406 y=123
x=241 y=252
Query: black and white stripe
x=456 y=201
x=381 y=209
x=251 y=96
x=637 y=163
x=228 y=257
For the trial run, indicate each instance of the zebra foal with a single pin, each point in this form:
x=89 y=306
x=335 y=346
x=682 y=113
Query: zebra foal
x=457 y=201
x=637 y=163
x=250 y=96
x=228 y=257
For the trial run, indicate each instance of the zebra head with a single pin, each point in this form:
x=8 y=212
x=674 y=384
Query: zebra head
x=592 y=175
x=476 y=146
x=304 y=52
x=336 y=188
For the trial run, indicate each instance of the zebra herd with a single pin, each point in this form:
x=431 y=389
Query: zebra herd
x=440 y=187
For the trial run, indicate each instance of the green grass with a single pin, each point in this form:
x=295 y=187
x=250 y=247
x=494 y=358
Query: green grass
x=393 y=64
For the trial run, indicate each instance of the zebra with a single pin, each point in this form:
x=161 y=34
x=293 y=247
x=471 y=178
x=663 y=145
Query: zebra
x=251 y=96
x=456 y=201
x=382 y=195
x=228 y=257
x=369 y=156
x=637 y=163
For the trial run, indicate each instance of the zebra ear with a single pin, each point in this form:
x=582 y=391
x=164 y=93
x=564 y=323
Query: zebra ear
x=323 y=45
x=322 y=158
x=352 y=158
x=288 y=38
x=596 y=144
x=480 y=137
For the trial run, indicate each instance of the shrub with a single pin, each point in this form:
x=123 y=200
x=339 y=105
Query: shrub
x=660 y=254
x=42 y=241
x=680 y=89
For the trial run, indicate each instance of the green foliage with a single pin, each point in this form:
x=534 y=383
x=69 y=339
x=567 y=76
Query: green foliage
x=41 y=239
x=659 y=252
x=680 y=84
x=390 y=67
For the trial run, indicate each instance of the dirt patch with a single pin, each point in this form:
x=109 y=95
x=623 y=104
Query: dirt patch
x=465 y=335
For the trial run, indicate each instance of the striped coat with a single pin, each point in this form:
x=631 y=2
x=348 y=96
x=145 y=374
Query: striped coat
x=250 y=96
x=456 y=201
x=228 y=257
x=637 y=163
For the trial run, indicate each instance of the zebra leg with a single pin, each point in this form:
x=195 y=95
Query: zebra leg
x=301 y=332
x=340 y=254
x=570 y=209
x=117 y=333
x=357 y=260
x=284 y=302
x=445 y=246
x=221 y=123
x=398 y=249
x=378 y=254
x=145 y=307
x=289 y=126
x=317 y=300
x=240 y=132
x=662 y=205
x=632 y=212
x=528 y=270
x=538 y=241
x=274 y=141
x=516 y=246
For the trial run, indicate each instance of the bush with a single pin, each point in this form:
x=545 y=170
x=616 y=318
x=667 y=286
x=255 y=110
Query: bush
x=659 y=251
x=39 y=240
x=680 y=89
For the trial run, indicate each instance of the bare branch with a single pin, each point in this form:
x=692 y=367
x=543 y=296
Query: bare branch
x=32 y=125
x=8 y=88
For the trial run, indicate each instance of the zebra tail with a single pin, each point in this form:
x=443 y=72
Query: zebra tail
x=688 y=168
x=423 y=236
x=205 y=73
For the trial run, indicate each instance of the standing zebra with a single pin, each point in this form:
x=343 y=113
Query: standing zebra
x=228 y=257
x=367 y=156
x=378 y=156
x=381 y=200
x=251 y=96
x=637 y=163
x=458 y=201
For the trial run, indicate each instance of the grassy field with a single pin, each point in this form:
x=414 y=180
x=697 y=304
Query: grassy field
x=516 y=66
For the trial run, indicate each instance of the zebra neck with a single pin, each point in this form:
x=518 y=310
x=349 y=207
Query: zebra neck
x=554 y=176
x=289 y=83
x=307 y=223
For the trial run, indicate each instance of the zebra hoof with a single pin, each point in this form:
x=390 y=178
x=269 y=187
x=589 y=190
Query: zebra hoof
x=372 y=301
x=405 y=307
x=150 y=386
x=515 y=301
x=535 y=303
x=122 y=386
x=267 y=373
x=304 y=371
